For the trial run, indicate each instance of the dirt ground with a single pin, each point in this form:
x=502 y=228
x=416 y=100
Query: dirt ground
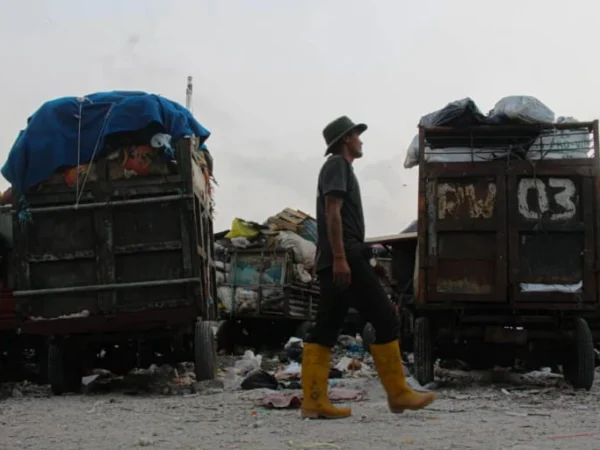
x=492 y=416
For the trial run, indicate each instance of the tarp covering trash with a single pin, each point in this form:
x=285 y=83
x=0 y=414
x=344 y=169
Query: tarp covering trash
x=69 y=131
x=519 y=109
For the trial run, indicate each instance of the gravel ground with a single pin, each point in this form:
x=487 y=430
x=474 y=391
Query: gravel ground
x=484 y=417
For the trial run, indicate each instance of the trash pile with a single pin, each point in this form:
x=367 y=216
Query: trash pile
x=277 y=380
x=283 y=379
x=135 y=131
x=260 y=266
x=549 y=143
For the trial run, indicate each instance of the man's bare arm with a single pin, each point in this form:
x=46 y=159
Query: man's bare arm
x=333 y=208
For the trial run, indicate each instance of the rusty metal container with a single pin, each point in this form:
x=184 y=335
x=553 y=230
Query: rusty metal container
x=510 y=232
x=507 y=244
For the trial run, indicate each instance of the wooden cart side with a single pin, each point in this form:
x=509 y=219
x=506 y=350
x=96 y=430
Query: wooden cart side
x=107 y=199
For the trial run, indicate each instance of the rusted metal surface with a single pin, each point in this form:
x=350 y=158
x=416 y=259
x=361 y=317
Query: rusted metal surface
x=466 y=200
x=552 y=235
x=8 y=312
x=464 y=217
x=115 y=256
x=490 y=232
x=505 y=335
x=111 y=323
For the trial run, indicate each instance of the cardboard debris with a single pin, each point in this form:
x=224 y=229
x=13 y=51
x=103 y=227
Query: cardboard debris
x=288 y=220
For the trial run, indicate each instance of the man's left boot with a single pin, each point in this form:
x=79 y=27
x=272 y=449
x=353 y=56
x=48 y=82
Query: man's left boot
x=391 y=372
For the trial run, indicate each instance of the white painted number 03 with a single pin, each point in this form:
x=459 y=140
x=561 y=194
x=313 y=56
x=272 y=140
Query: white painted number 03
x=563 y=198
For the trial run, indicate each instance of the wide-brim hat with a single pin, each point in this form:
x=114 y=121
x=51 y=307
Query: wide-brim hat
x=339 y=128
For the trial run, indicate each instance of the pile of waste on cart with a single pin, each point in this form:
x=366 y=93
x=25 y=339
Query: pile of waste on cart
x=544 y=143
x=135 y=131
x=285 y=242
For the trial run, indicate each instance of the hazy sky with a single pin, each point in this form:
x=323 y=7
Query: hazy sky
x=269 y=75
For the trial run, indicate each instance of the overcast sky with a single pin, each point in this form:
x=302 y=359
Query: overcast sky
x=270 y=74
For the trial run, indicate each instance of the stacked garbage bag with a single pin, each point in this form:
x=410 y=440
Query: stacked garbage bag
x=543 y=143
x=266 y=263
x=136 y=132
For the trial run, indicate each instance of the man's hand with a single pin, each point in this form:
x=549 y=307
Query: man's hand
x=341 y=273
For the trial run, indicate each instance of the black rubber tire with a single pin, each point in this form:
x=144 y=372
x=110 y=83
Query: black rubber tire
x=303 y=330
x=368 y=336
x=205 y=353
x=57 y=369
x=64 y=369
x=423 y=369
x=229 y=335
x=579 y=368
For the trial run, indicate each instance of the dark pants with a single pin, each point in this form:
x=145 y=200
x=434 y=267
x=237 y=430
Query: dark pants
x=365 y=294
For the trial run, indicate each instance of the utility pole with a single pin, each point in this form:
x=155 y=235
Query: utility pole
x=189 y=92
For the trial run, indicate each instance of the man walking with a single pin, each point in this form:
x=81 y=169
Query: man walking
x=347 y=279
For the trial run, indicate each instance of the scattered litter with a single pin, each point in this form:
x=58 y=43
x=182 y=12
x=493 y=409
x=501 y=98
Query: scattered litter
x=282 y=401
x=294 y=400
x=89 y=379
x=569 y=436
x=293 y=349
x=294 y=342
x=145 y=442
x=260 y=379
x=249 y=363
x=290 y=372
x=312 y=445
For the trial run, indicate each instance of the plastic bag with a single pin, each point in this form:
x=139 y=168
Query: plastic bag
x=302 y=274
x=304 y=251
x=412 y=153
x=449 y=154
x=225 y=296
x=249 y=363
x=241 y=228
x=523 y=108
x=562 y=144
x=456 y=114
x=260 y=379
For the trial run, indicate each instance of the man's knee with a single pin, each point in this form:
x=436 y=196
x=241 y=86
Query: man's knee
x=321 y=336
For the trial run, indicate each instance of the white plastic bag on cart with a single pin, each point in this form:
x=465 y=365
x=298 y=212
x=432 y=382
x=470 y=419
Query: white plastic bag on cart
x=412 y=153
x=523 y=108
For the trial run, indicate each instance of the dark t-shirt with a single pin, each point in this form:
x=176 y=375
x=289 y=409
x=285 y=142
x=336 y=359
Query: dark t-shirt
x=337 y=178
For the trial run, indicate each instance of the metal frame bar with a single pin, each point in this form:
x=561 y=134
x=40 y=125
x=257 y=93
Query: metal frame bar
x=135 y=201
x=104 y=287
x=503 y=128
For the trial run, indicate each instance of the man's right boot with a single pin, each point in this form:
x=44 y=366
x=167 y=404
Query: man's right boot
x=315 y=375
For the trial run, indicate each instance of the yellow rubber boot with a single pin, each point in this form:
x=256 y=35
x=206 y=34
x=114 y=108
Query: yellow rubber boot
x=389 y=367
x=315 y=374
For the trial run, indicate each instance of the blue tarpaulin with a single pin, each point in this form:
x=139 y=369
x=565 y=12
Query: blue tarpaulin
x=64 y=127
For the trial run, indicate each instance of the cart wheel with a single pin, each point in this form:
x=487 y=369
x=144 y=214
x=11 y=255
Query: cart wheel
x=368 y=337
x=205 y=354
x=41 y=353
x=423 y=369
x=303 y=330
x=64 y=370
x=228 y=335
x=579 y=367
